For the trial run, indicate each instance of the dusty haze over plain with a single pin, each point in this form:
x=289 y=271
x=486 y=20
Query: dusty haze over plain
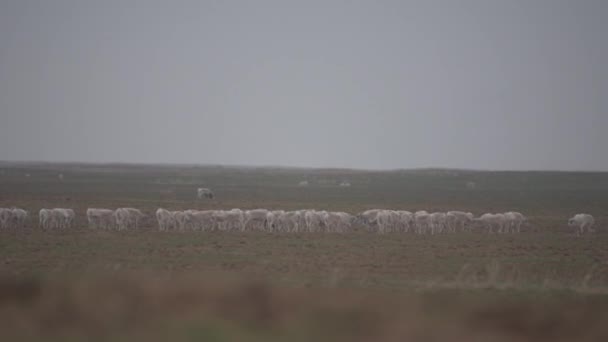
x=363 y=84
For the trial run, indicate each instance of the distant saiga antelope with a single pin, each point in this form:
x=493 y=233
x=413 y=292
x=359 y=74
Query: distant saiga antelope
x=204 y=193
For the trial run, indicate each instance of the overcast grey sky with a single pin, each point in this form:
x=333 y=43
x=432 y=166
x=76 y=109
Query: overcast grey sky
x=366 y=84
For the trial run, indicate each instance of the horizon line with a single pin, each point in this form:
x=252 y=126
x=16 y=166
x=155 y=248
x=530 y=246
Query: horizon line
x=269 y=166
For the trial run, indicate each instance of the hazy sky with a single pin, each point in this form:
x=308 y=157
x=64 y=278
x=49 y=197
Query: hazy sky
x=366 y=84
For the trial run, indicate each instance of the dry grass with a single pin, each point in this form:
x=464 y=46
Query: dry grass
x=152 y=307
x=362 y=287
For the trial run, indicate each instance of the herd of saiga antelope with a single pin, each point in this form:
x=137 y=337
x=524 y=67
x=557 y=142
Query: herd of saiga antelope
x=375 y=220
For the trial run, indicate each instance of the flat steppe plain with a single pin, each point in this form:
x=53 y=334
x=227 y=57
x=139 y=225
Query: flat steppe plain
x=542 y=284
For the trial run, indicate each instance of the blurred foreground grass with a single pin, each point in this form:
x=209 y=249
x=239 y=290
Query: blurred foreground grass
x=145 y=285
x=126 y=307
